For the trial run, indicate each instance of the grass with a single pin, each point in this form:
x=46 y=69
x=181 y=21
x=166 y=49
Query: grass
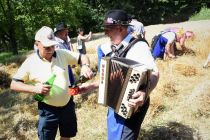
x=8 y=57
x=180 y=104
x=203 y=14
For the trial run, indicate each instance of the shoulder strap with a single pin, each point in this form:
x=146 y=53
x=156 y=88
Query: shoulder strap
x=133 y=41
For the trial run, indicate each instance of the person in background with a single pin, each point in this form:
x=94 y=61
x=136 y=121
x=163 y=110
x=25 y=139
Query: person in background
x=61 y=32
x=57 y=110
x=81 y=39
x=136 y=28
x=181 y=36
x=116 y=25
x=165 y=46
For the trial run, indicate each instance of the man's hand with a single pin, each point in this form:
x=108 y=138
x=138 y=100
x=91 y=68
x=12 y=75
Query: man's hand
x=137 y=99
x=42 y=88
x=86 y=71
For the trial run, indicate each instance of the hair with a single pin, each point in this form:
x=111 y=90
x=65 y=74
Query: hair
x=180 y=32
x=189 y=34
x=80 y=30
x=36 y=42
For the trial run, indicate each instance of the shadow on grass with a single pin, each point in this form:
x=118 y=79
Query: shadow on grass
x=8 y=98
x=89 y=98
x=173 y=131
x=5 y=79
x=187 y=51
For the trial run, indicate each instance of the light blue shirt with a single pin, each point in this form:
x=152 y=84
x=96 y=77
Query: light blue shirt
x=62 y=44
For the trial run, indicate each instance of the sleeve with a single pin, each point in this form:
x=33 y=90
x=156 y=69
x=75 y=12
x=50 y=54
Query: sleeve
x=70 y=57
x=140 y=52
x=170 y=36
x=100 y=55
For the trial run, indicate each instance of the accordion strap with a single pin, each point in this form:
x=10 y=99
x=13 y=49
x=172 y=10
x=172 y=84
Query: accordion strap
x=133 y=41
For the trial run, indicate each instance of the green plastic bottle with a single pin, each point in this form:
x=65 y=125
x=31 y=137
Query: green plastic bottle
x=40 y=97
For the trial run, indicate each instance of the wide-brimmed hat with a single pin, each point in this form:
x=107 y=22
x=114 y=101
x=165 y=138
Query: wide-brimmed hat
x=60 y=26
x=116 y=17
x=46 y=36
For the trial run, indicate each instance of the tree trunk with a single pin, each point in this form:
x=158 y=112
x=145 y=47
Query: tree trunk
x=11 y=27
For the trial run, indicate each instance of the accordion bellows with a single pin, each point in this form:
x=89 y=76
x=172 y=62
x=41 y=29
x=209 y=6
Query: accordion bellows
x=120 y=78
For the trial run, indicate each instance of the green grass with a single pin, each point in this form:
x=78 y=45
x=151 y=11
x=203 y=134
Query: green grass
x=202 y=15
x=4 y=56
x=8 y=57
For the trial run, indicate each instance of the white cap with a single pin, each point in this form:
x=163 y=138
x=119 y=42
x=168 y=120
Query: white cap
x=46 y=36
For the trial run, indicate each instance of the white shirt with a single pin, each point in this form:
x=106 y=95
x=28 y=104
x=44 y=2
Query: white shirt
x=138 y=27
x=139 y=52
x=171 y=36
x=37 y=70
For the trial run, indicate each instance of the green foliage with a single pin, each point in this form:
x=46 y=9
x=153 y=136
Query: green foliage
x=203 y=14
x=29 y=16
x=20 y=19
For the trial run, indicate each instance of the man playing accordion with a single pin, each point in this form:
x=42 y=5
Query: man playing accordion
x=116 y=24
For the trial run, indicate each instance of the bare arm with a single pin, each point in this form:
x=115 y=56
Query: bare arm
x=71 y=47
x=182 y=42
x=86 y=38
x=27 y=88
x=169 y=50
x=84 y=60
x=85 y=66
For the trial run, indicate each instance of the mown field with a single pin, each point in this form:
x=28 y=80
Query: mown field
x=180 y=104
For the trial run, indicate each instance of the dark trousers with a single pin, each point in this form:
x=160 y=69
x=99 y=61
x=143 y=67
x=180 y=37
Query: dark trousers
x=51 y=118
x=133 y=125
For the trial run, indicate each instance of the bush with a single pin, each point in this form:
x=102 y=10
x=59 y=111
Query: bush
x=202 y=15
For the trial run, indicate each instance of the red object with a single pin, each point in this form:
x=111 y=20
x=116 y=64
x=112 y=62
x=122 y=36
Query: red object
x=73 y=91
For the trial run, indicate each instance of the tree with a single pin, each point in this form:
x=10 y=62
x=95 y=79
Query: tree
x=9 y=23
x=20 y=19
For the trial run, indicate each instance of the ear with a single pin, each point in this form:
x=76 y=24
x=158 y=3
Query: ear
x=36 y=43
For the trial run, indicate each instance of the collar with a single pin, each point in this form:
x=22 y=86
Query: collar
x=37 y=52
x=59 y=40
x=106 y=48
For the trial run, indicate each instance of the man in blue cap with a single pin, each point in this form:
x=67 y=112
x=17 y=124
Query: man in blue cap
x=116 y=24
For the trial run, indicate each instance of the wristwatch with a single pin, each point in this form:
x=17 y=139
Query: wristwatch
x=88 y=65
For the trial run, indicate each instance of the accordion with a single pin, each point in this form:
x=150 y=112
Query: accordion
x=120 y=78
